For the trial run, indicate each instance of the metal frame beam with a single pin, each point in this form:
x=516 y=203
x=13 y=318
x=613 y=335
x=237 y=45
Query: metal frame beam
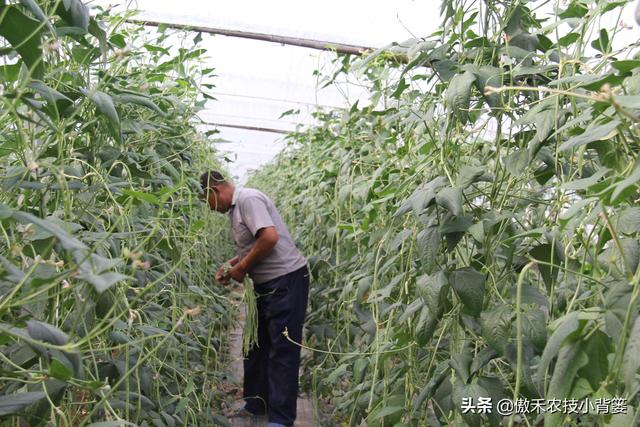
x=254 y=128
x=293 y=41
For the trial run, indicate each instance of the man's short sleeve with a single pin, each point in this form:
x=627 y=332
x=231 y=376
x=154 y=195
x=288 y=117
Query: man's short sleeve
x=255 y=214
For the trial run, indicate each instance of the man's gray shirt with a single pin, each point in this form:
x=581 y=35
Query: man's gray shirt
x=250 y=211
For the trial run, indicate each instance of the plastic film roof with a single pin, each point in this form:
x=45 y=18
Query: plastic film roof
x=258 y=81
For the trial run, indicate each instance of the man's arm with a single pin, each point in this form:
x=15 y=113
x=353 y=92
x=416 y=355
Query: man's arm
x=266 y=240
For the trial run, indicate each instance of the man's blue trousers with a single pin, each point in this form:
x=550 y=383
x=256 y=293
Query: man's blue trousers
x=271 y=368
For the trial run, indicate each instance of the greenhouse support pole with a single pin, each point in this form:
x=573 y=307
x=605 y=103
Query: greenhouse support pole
x=254 y=128
x=294 y=41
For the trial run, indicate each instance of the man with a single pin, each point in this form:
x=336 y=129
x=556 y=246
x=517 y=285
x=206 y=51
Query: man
x=265 y=252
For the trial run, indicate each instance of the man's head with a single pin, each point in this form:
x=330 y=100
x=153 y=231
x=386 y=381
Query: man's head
x=216 y=191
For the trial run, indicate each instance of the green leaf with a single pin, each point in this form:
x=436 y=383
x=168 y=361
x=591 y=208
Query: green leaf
x=628 y=221
x=33 y=7
x=616 y=301
x=59 y=370
x=581 y=388
x=12 y=273
x=517 y=162
x=100 y=34
x=567 y=326
x=483 y=357
x=595 y=132
x=453 y=224
x=10 y=72
x=56 y=101
x=433 y=290
x=131 y=396
x=399 y=239
x=102 y=282
x=626 y=187
x=608 y=5
x=402 y=85
x=50 y=95
x=385 y=411
x=585 y=183
x=468 y=175
x=597 y=349
x=409 y=311
x=97 y=264
x=68 y=242
x=156 y=49
x=75 y=13
x=625 y=419
x=579 y=207
x=488 y=75
x=535 y=327
x=546 y=255
x=24 y=34
x=628 y=101
x=428 y=244
x=140 y=195
x=514 y=21
x=459 y=94
x=461 y=363
x=568 y=39
x=439 y=374
x=197 y=225
x=602 y=42
x=626 y=66
x=589 y=82
x=360 y=369
x=545 y=125
x=446 y=69
x=469 y=285
x=421 y=197
x=48 y=333
x=570 y=359
x=496 y=327
x=104 y=104
x=15 y=403
x=119 y=337
x=450 y=198
x=472 y=391
x=631 y=360
x=525 y=41
x=5 y=211
x=138 y=100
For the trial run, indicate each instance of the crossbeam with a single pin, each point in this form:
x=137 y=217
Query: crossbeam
x=254 y=128
x=293 y=41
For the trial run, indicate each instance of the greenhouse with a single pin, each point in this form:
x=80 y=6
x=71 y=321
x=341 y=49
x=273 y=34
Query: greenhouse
x=391 y=214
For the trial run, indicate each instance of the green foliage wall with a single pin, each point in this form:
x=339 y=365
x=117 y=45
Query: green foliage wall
x=474 y=231
x=108 y=310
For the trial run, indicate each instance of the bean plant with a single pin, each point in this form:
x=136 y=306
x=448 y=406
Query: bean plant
x=473 y=230
x=108 y=311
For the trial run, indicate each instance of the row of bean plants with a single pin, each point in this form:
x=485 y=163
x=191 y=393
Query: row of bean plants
x=473 y=230
x=108 y=313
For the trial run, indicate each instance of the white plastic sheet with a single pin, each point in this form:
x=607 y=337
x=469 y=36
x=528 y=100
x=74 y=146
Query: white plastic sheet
x=258 y=81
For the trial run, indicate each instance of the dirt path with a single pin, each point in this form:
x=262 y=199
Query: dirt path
x=307 y=416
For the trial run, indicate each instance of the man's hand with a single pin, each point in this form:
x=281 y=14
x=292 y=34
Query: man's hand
x=222 y=275
x=237 y=273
